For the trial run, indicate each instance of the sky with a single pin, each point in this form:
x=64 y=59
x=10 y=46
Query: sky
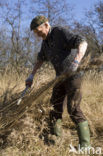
x=80 y=6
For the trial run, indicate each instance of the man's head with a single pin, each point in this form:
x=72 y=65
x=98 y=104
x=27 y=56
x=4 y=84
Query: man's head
x=40 y=26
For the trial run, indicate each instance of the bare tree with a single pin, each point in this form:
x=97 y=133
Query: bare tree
x=17 y=48
x=99 y=12
x=91 y=27
x=57 y=11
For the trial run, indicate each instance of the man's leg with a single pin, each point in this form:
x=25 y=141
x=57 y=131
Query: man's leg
x=57 y=99
x=74 y=97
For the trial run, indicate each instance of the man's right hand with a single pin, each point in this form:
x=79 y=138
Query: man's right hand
x=29 y=80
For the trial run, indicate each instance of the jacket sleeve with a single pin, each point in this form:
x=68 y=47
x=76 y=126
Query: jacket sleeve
x=77 y=45
x=72 y=40
x=41 y=55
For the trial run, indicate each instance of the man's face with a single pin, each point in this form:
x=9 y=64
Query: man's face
x=41 y=30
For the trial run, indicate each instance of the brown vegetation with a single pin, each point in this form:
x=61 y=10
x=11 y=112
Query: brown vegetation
x=31 y=136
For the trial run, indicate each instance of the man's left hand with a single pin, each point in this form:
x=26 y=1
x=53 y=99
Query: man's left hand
x=72 y=68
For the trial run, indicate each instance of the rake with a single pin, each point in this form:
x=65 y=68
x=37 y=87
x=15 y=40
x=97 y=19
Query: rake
x=11 y=113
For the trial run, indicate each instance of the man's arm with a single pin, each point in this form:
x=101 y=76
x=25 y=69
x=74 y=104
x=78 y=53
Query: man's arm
x=81 y=50
x=37 y=66
x=29 y=80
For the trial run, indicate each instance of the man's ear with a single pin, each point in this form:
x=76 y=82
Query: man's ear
x=46 y=25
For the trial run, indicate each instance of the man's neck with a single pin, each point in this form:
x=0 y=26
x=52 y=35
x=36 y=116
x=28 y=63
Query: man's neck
x=49 y=31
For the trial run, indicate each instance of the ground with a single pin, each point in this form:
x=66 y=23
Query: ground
x=30 y=135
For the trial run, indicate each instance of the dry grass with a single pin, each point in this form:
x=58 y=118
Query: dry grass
x=30 y=136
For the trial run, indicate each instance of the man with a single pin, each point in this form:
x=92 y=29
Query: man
x=65 y=51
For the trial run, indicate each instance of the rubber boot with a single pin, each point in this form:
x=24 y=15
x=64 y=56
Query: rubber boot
x=58 y=127
x=84 y=134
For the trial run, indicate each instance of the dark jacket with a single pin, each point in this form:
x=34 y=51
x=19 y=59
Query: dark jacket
x=57 y=47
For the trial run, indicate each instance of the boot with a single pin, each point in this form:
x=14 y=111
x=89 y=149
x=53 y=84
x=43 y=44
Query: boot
x=84 y=134
x=58 y=127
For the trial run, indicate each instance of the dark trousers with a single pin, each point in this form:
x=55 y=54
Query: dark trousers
x=71 y=88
